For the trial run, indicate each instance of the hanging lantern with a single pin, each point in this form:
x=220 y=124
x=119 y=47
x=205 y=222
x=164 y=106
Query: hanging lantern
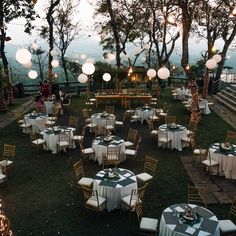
x=88 y=68
x=83 y=56
x=23 y=56
x=33 y=74
x=106 y=77
x=211 y=64
x=53 y=53
x=55 y=63
x=163 y=73
x=217 y=58
x=197 y=41
x=151 y=73
x=83 y=78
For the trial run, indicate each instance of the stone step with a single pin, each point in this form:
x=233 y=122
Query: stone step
x=230 y=97
x=231 y=90
x=224 y=102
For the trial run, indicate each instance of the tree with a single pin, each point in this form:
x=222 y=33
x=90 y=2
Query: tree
x=9 y=10
x=65 y=29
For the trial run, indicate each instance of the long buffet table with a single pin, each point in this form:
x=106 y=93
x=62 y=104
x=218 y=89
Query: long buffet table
x=123 y=98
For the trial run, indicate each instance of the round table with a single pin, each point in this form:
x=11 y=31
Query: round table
x=175 y=135
x=171 y=225
x=226 y=160
x=51 y=137
x=101 y=121
x=37 y=120
x=100 y=147
x=114 y=190
x=145 y=113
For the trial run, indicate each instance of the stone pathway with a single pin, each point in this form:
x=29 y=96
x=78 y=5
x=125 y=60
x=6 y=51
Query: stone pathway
x=7 y=118
x=220 y=190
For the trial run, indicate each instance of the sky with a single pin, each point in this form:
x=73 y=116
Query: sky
x=88 y=43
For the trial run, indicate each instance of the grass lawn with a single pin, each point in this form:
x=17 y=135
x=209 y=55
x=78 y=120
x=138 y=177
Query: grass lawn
x=41 y=196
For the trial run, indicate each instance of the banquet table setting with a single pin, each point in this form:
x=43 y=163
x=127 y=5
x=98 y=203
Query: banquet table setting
x=203 y=105
x=114 y=187
x=101 y=143
x=37 y=120
x=226 y=157
x=175 y=133
x=103 y=119
x=181 y=93
x=176 y=221
x=51 y=136
x=145 y=112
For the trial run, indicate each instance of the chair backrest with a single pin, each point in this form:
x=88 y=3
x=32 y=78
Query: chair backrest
x=132 y=135
x=110 y=109
x=81 y=145
x=9 y=151
x=79 y=169
x=150 y=125
x=113 y=152
x=232 y=212
x=170 y=119
x=41 y=123
x=127 y=105
x=139 y=211
x=192 y=125
x=150 y=165
x=197 y=195
x=141 y=192
x=73 y=121
x=134 y=197
x=64 y=136
x=87 y=193
x=231 y=137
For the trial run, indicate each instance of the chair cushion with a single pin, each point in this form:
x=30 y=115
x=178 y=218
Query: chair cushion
x=50 y=122
x=25 y=125
x=154 y=117
x=186 y=139
x=163 y=139
x=148 y=224
x=5 y=162
x=126 y=200
x=208 y=163
x=93 y=202
x=199 y=151
x=227 y=226
x=2 y=177
x=144 y=177
x=85 y=181
x=109 y=127
x=128 y=144
x=155 y=132
x=88 y=151
x=63 y=143
x=163 y=114
x=119 y=122
x=78 y=137
x=52 y=118
x=135 y=117
x=189 y=132
x=38 y=141
x=130 y=152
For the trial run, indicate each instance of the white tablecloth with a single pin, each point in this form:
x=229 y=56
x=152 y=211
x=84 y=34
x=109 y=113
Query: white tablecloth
x=100 y=147
x=101 y=122
x=171 y=225
x=145 y=113
x=52 y=138
x=175 y=135
x=203 y=106
x=181 y=93
x=38 y=122
x=49 y=107
x=226 y=160
x=115 y=190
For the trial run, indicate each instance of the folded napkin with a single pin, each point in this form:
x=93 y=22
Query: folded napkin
x=100 y=174
x=179 y=209
x=119 y=186
x=190 y=230
x=127 y=175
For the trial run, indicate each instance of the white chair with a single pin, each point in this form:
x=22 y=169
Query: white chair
x=77 y=138
x=132 y=152
x=86 y=152
x=147 y=226
x=163 y=137
x=63 y=142
x=227 y=226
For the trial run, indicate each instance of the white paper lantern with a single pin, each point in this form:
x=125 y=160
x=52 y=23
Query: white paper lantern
x=197 y=41
x=88 y=68
x=106 y=77
x=55 y=63
x=217 y=58
x=83 y=78
x=23 y=56
x=111 y=56
x=163 y=73
x=27 y=65
x=138 y=50
x=53 y=53
x=33 y=74
x=83 y=56
x=211 y=64
x=151 y=73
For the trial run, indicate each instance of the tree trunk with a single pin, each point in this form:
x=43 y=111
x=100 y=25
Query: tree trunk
x=65 y=68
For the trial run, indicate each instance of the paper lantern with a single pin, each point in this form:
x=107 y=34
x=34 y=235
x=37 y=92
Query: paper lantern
x=53 y=53
x=217 y=58
x=106 y=77
x=211 y=64
x=163 y=73
x=83 y=78
x=151 y=73
x=88 y=68
x=55 y=63
x=111 y=56
x=23 y=56
x=33 y=74
x=27 y=65
x=83 y=56
x=197 y=41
